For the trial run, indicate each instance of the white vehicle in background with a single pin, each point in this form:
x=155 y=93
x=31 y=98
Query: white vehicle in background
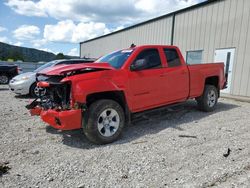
x=24 y=84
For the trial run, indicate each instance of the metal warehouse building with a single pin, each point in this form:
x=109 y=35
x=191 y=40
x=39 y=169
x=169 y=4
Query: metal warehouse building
x=215 y=30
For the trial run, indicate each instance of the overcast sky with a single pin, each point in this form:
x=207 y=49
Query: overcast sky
x=59 y=25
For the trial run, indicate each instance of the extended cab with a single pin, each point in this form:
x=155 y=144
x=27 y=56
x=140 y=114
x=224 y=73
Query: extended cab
x=101 y=96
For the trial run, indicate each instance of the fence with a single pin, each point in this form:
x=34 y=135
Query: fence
x=26 y=66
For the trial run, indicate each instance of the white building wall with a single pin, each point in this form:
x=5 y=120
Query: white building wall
x=222 y=24
x=156 y=32
x=219 y=24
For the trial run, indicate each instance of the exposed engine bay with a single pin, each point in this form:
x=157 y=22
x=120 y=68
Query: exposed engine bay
x=57 y=94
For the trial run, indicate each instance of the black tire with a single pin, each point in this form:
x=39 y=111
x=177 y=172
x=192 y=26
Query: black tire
x=93 y=118
x=32 y=91
x=207 y=102
x=4 y=79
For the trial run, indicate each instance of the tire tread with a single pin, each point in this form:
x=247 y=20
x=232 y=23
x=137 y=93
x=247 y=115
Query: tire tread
x=89 y=119
x=202 y=102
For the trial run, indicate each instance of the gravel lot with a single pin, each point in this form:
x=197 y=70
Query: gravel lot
x=181 y=147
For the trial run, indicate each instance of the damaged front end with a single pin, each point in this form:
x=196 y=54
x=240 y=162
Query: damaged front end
x=56 y=107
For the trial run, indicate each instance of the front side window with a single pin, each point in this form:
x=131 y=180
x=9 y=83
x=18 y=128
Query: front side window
x=151 y=57
x=172 y=57
x=116 y=59
x=194 y=57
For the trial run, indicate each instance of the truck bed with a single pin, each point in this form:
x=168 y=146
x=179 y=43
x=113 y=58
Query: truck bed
x=199 y=72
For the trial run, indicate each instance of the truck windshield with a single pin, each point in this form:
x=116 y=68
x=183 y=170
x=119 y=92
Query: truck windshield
x=116 y=59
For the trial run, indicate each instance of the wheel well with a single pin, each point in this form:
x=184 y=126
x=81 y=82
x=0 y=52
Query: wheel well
x=213 y=80
x=117 y=96
x=5 y=73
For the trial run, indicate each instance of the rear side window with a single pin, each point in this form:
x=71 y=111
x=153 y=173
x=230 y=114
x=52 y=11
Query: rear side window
x=152 y=58
x=172 y=57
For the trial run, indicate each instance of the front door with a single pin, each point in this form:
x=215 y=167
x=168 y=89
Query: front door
x=145 y=85
x=227 y=57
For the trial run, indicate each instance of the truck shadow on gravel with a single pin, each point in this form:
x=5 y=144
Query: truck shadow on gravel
x=146 y=124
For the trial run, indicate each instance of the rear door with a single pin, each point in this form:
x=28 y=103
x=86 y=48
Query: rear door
x=176 y=77
x=145 y=85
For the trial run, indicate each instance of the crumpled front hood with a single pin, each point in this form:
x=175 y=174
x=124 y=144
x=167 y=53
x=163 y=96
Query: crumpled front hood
x=63 y=69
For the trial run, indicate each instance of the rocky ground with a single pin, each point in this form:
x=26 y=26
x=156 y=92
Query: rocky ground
x=179 y=147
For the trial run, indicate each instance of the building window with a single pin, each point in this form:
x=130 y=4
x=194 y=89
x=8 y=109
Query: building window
x=194 y=57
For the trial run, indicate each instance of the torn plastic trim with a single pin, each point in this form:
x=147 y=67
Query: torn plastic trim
x=33 y=104
x=34 y=107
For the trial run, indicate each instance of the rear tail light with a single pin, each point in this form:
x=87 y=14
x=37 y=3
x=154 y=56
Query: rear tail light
x=19 y=70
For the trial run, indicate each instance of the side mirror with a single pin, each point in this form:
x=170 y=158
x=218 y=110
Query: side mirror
x=138 y=65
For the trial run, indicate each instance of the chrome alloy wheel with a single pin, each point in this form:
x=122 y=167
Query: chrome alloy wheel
x=211 y=98
x=39 y=89
x=108 y=122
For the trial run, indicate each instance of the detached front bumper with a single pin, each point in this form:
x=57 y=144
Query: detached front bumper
x=63 y=120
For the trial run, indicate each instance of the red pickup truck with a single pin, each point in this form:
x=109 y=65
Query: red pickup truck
x=100 y=97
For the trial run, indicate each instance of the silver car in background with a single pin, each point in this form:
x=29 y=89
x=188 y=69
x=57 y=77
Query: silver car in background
x=24 y=84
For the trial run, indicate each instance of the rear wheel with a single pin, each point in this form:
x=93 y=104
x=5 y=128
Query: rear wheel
x=104 y=121
x=4 y=79
x=209 y=98
x=34 y=90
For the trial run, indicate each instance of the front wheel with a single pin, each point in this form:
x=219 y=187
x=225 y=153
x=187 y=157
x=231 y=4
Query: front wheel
x=209 y=98
x=104 y=121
